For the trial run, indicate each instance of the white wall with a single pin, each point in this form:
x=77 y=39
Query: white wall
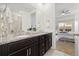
x=77 y=31
x=44 y=16
x=45 y=19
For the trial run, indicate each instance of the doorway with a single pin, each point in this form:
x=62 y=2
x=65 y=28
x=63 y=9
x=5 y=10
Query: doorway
x=65 y=39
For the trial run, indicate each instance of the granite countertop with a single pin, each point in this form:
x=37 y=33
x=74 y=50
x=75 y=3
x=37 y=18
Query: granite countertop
x=12 y=38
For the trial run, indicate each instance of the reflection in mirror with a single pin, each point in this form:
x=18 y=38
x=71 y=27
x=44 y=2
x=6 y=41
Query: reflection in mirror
x=33 y=21
x=3 y=8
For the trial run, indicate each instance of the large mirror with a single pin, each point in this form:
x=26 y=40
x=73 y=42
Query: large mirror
x=17 y=18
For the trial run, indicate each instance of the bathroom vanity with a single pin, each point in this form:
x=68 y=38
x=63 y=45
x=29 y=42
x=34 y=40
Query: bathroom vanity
x=33 y=45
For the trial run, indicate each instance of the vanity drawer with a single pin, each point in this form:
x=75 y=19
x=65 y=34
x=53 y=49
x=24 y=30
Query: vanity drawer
x=26 y=51
x=14 y=46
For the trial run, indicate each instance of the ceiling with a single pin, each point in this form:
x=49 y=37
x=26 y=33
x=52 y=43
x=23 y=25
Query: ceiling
x=59 y=7
x=20 y=6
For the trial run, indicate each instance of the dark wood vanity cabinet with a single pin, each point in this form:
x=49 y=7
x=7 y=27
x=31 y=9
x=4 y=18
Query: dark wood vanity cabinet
x=26 y=51
x=45 y=43
x=48 y=41
x=4 y=50
x=36 y=50
x=23 y=47
x=34 y=46
x=41 y=45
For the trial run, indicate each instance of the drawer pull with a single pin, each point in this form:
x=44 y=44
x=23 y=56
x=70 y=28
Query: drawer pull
x=29 y=51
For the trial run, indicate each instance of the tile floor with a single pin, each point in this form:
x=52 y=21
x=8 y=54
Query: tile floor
x=52 y=52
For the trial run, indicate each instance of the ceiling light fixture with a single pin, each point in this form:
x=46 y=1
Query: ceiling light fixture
x=65 y=12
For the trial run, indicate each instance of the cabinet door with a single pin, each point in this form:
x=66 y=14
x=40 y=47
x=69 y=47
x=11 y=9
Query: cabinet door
x=42 y=48
x=4 y=50
x=42 y=45
x=23 y=52
x=36 y=49
x=50 y=40
x=47 y=45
